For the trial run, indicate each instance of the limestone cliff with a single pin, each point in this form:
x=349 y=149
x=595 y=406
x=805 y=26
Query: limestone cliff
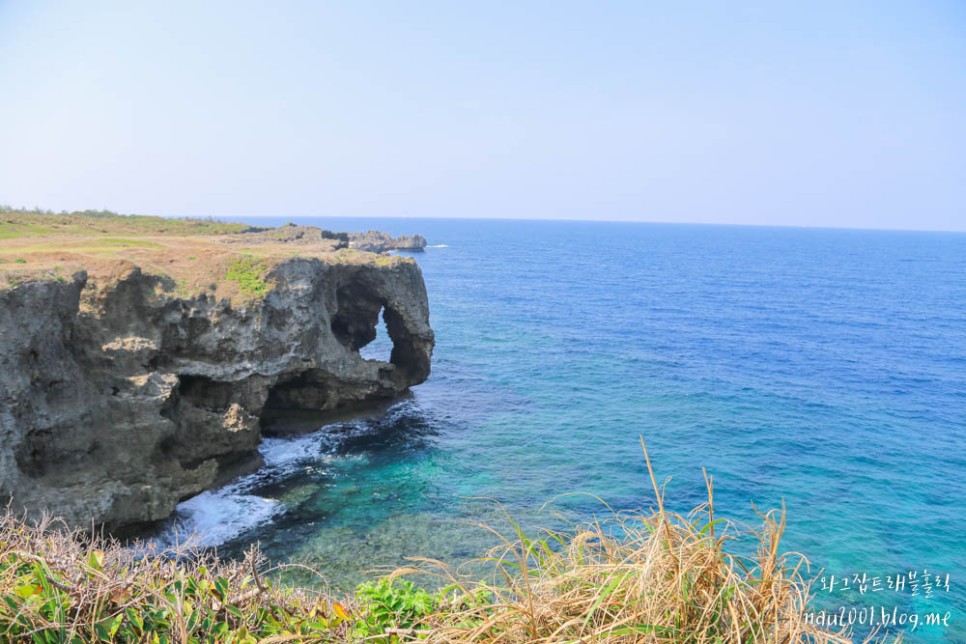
x=120 y=398
x=374 y=241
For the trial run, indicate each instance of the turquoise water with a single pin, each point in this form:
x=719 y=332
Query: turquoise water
x=826 y=368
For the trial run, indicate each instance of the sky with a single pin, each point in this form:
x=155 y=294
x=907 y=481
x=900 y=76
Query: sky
x=841 y=113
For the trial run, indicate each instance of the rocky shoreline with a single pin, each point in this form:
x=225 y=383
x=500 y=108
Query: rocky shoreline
x=121 y=397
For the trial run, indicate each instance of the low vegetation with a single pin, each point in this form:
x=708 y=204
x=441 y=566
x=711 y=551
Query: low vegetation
x=225 y=261
x=249 y=274
x=36 y=222
x=652 y=577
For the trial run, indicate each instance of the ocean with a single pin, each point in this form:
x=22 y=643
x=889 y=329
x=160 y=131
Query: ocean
x=825 y=369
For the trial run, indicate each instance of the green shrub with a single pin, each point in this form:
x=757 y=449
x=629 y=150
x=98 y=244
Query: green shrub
x=249 y=274
x=391 y=604
x=60 y=586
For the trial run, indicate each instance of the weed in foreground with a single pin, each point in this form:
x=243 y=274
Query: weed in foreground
x=656 y=577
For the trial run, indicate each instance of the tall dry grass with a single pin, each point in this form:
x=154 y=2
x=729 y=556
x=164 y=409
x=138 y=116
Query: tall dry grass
x=658 y=576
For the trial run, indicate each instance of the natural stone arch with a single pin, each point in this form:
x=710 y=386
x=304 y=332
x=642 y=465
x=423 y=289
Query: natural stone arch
x=355 y=325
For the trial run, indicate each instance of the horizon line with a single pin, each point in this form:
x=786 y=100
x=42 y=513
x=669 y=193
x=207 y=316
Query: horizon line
x=227 y=218
x=595 y=221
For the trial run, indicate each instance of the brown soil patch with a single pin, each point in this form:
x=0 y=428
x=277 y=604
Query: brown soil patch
x=198 y=256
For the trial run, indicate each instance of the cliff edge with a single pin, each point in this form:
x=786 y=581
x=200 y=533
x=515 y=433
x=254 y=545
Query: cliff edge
x=123 y=393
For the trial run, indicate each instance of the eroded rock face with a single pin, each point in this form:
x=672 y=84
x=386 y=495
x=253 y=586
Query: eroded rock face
x=118 y=402
x=374 y=241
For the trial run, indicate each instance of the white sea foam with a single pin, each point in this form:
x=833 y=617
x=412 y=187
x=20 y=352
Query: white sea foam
x=217 y=516
x=439 y=246
x=283 y=453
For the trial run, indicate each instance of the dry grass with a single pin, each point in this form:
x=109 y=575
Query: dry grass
x=60 y=585
x=16 y=223
x=656 y=577
x=660 y=577
x=220 y=260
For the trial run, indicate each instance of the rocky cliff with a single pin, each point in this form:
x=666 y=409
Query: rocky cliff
x=374 y=241
x=119 y=398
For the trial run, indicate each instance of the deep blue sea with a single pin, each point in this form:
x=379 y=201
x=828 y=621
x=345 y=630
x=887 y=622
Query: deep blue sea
x=825 y=368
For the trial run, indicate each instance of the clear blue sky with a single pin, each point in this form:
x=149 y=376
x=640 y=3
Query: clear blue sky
x=840 y=113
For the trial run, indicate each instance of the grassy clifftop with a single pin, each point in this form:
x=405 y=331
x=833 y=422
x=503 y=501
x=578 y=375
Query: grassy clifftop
x=220 y=259
x=17 y=223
